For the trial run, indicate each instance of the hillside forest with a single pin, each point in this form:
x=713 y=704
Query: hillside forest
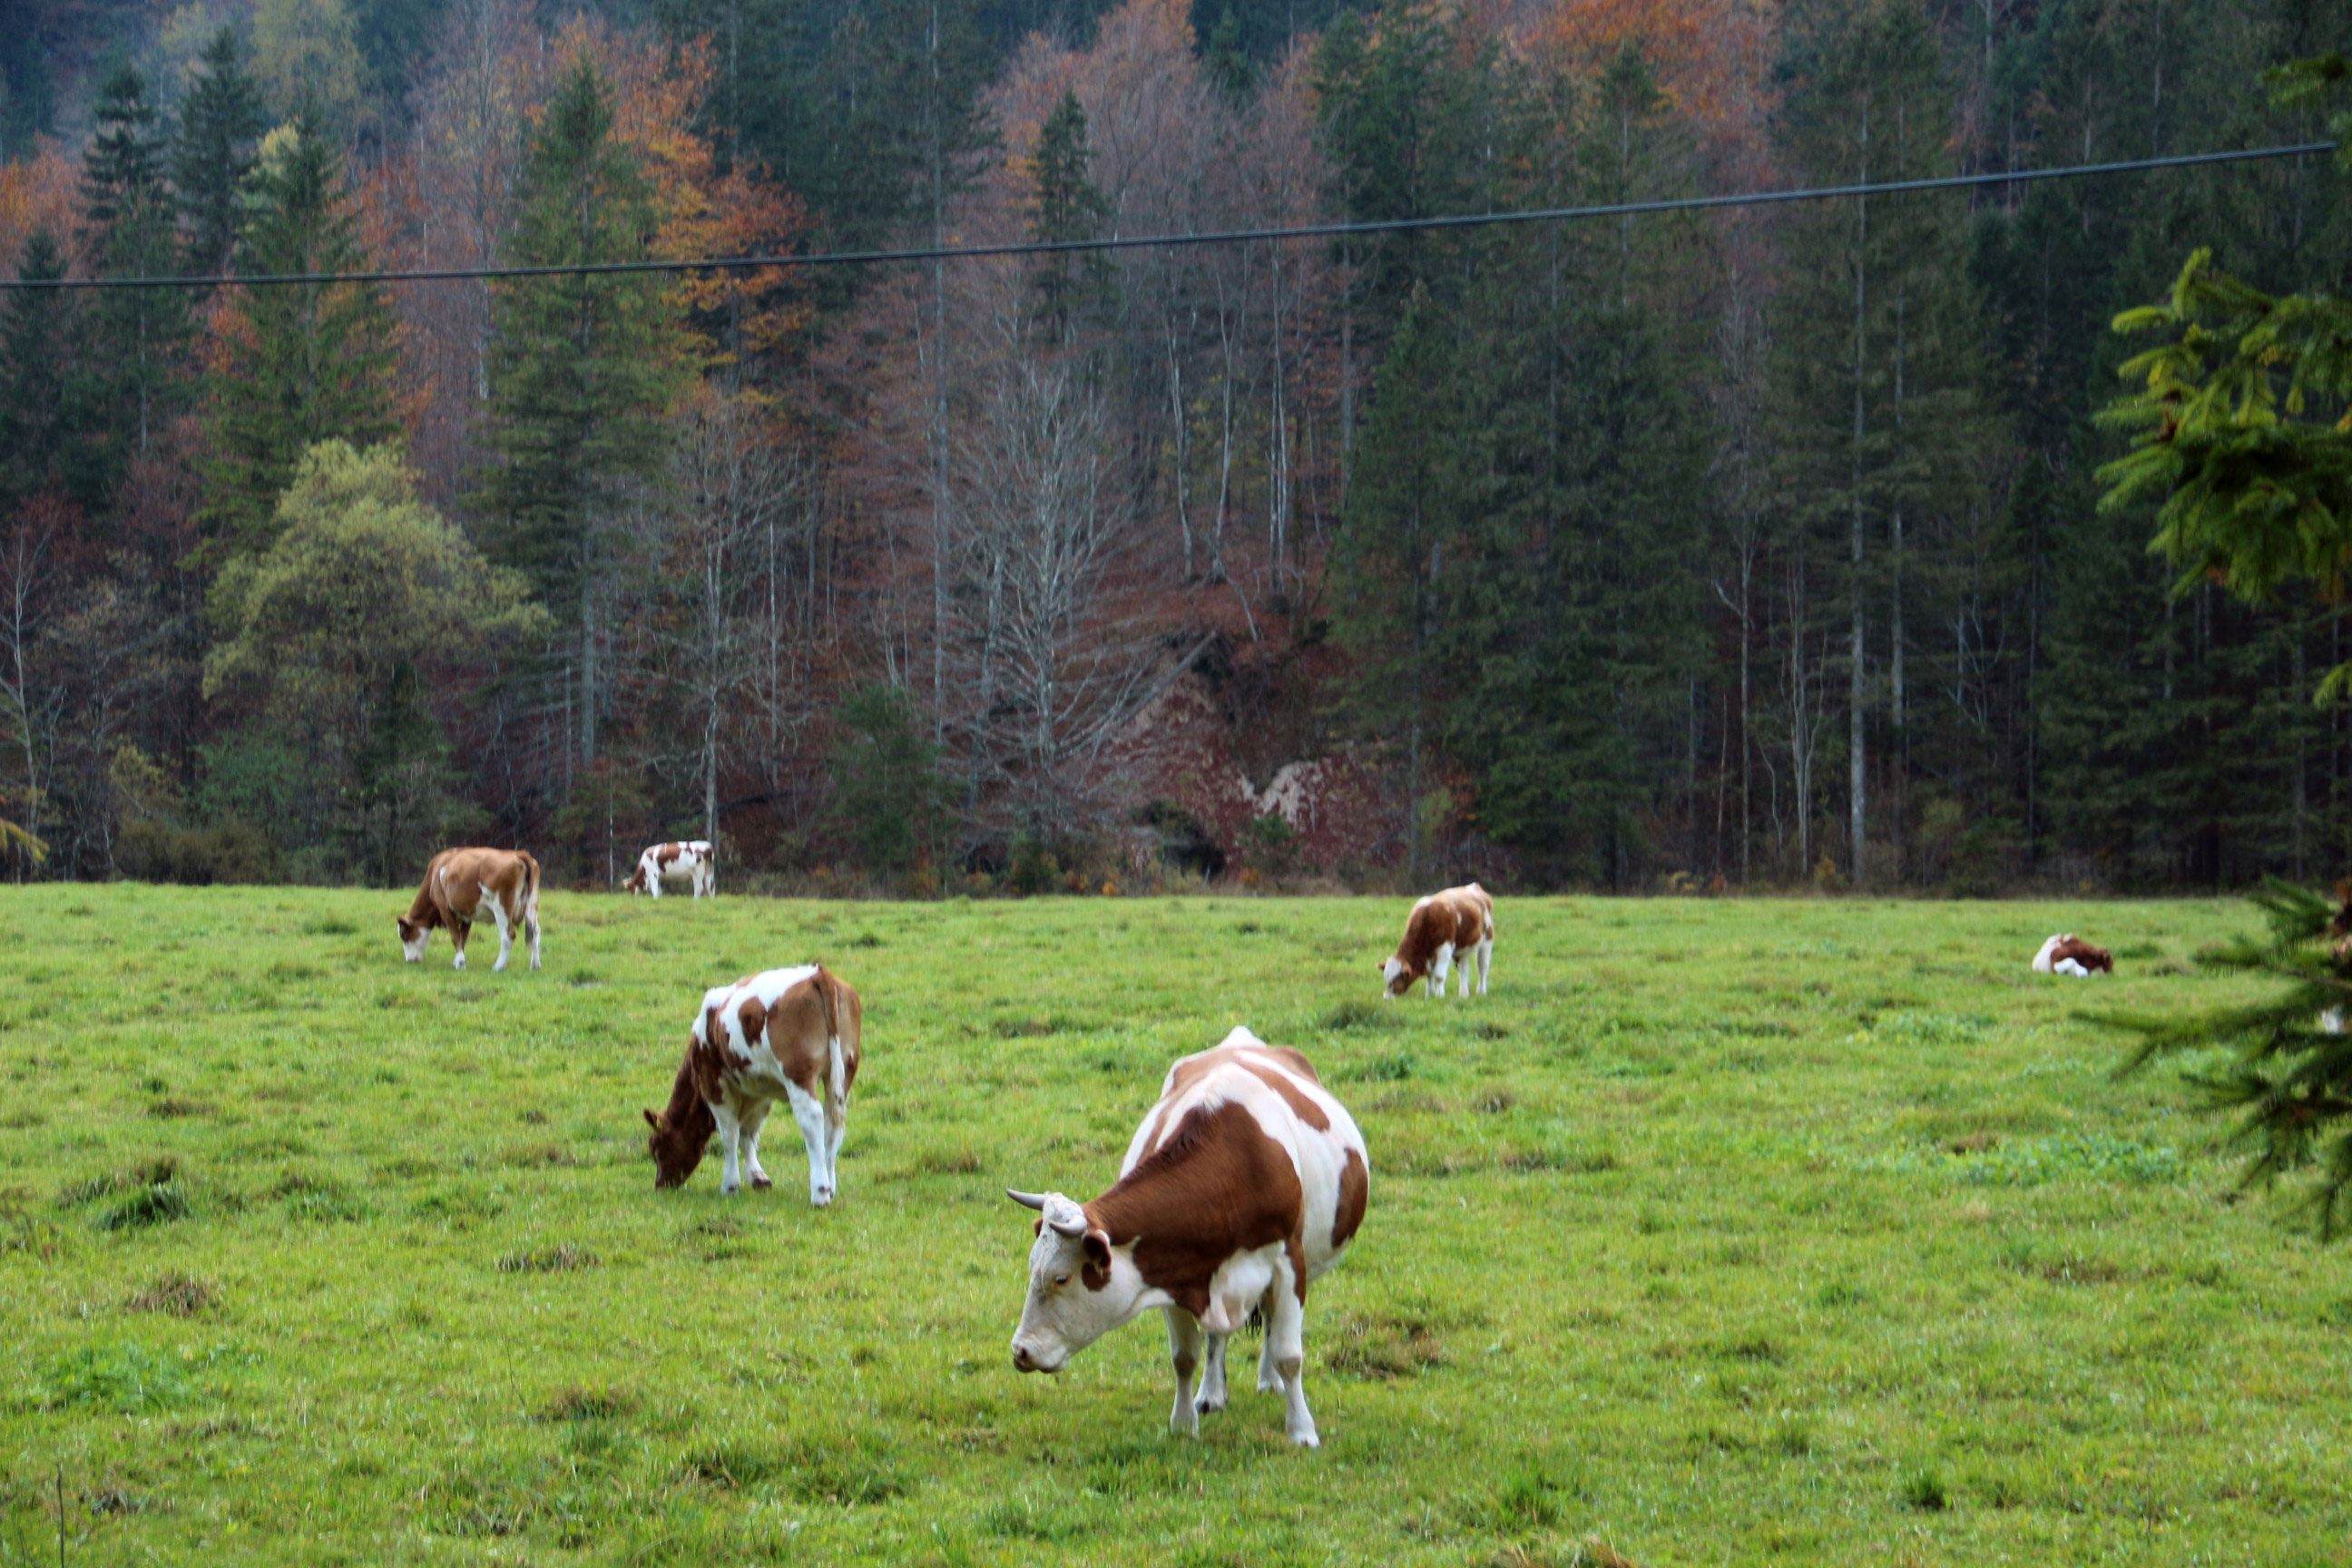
x=1756 y=546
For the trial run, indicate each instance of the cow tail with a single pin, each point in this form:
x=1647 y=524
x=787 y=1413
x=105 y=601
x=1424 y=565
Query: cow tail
x=836 y=1081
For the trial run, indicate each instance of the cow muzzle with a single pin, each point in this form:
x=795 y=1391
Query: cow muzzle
x=1027 y=1360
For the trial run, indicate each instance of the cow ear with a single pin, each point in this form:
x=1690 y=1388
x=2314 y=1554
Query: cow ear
x=653 y=1121
x=1097 y=1249
x=1037 y=1226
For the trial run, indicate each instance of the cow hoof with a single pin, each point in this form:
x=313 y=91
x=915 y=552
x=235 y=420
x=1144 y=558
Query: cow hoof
x=759 y=1182
x=1208 y=1406
x=1269 y=1383
x=1307 y=1439
x=820 y=1198
x=728 y=1192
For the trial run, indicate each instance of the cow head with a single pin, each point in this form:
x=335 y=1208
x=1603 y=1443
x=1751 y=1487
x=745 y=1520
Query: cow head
x=1077 y=1290
x=1396 y=979
x=677 y=1144
x=414 y=939
x=636 y=882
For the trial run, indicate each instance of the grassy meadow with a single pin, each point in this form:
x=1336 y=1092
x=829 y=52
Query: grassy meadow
x=1723 y=1232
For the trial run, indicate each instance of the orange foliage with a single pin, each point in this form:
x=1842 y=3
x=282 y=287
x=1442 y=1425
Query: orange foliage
x=1711 y=57
x=36 y=193
x=702 y=212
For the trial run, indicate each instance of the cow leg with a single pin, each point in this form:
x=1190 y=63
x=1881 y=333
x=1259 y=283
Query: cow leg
x=836 y=1129
x=1184 y=1354
x=458 y=931
x=1285 y=1342
x=1440 y=967
x=753 y=1120
x=1485 y=961
x=531 y=932
x=809 y=1111
x=1269 y=1375
x=731 y=1134
x=1212 y=1397
x=506 y=934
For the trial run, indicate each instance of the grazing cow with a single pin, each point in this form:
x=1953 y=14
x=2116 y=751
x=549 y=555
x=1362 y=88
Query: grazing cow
x=2065 y=955
x=663 y=862
x=789 y=1035
x=1247 y=1181
x=458 y=886
x=1443 y=927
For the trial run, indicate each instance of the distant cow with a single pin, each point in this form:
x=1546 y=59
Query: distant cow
x=1444 y=928
x=789 y=1035
x=1246 y=1182
x=692 y=860
x=2066 y=954
x=458 y=887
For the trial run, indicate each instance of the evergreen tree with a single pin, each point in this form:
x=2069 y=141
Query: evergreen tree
x=138 y=342
x=1068 y=207
x=37 y=328
x=1878 y=418
x=313 y=361
x=583 y=369
x=220 y=124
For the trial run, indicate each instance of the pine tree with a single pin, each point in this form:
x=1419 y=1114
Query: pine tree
x=1069 y=206
x=582 y=370
x=134 y=375
x=1878 y=417
x=37 y=327
x=220 y=126
x=313 y=361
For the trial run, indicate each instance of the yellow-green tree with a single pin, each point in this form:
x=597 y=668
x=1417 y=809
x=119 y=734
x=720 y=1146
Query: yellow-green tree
x=365 y=602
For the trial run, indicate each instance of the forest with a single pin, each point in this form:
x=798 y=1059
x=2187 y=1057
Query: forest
x=1759 y=546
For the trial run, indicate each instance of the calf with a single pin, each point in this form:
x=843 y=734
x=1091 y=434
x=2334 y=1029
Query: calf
x=789 y=1035
x=2065 y=954
x=1443 y=927
x=692 y=860
x=1245 y=1182
x=458 y=886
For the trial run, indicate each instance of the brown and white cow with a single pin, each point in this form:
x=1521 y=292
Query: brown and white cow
x=2067 y=954
x=691 y=859
x=459 y=886
x=1443 y=929
x=1244 y=1184
x=789 y=1035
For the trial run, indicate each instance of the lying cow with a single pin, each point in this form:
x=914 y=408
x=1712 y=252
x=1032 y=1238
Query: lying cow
x=458 y=887
x=691 y=860
x=1244 y=1183
x=2065 y=955
x=789 y=1035
x=1442 y=929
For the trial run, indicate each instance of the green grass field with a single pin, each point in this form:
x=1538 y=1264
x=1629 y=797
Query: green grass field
x=1723 y=1232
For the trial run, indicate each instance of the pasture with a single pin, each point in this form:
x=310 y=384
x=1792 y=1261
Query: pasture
x=1723 y=1232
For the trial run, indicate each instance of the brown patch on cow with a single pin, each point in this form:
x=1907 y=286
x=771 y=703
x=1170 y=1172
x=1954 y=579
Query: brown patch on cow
x=1192 y=1069
x=1464 y=916
x=1305 y=1109
x=1216 y=1187
x=1355 y=1192
x=2084 y=953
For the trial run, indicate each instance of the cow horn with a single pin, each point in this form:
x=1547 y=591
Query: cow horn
x=1027 y=1200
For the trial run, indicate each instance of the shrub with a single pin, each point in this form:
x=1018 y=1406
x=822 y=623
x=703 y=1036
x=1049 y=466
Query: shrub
x=229 y=851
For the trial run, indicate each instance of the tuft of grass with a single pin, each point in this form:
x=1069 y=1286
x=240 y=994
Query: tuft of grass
x=1922 y=1491
x=561 y=1259
x=1394 y=1068
x=148 y=1206
x=950 y=1161
x=176 y=1295
x=1381 y=1346
x=154 y=1173
x=1363 y=1014
x=589 y=1402
x=123 y=1376
x=1021 y=1028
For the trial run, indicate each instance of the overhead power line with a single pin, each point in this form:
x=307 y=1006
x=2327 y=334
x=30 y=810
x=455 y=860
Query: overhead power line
x=1219 y=236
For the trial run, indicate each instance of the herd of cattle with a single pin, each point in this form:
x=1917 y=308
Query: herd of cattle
x=1245 y=1182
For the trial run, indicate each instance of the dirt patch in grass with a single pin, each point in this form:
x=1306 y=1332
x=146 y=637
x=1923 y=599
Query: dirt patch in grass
x=1382 y=1346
